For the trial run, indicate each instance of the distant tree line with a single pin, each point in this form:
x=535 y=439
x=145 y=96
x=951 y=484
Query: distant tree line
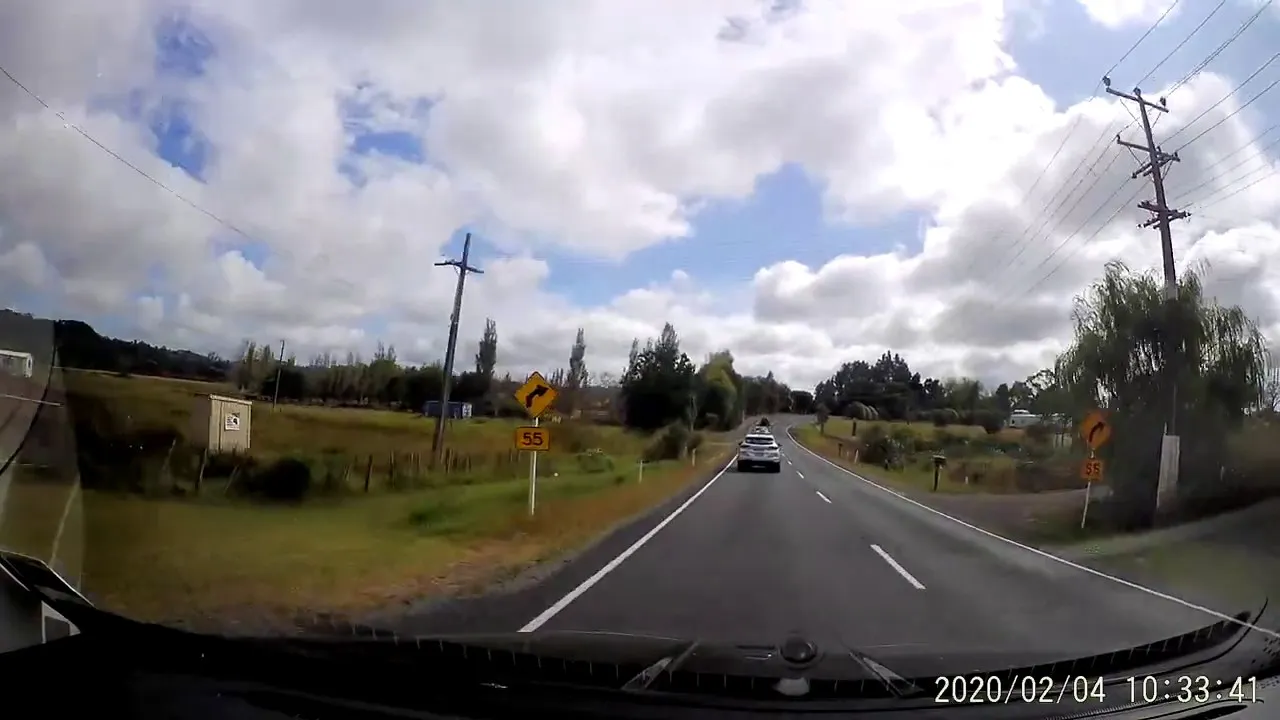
x=381 y=380
x=659 y=385
x=889 y=389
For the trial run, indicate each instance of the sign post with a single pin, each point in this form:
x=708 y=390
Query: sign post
x=533 y=477
x=1096 y=431
x=536 y=395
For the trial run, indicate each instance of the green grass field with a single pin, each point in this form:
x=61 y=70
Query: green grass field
x=218 y=559
x=176 y=560
x=145 y=402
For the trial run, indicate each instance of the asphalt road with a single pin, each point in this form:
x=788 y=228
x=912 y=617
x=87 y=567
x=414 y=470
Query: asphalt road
x=751 y=557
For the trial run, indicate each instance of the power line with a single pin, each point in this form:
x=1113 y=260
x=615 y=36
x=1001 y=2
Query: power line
x=143 y=173
x=1201 y=204
x=1039 y=177
x=1223 y=46
x=1097 y=231
x=1027 y=233
x=1139 y=41
x=1179 y=46
x=1053 y=214
x=1071 y=131
x=1261 y=154
x=1224 y=98
x=1231 y=114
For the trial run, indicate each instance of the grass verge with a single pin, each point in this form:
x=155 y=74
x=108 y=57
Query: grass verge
x=911 y=477
x=843 y=427
x=171 y=560
x=1225 y=577
x=1041 y=519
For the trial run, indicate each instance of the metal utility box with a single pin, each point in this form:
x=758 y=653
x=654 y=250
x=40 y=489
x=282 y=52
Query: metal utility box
x=222 y=424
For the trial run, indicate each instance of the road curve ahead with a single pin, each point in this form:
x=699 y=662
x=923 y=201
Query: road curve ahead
x=816 y=550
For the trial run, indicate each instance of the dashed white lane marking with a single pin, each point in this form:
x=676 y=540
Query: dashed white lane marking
x=1038 y=551
x=894 y=564
x=802 y=476
x=613 y=564
x=824 y=497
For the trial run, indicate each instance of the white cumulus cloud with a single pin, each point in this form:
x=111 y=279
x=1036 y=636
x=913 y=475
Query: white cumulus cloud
x=595 y=128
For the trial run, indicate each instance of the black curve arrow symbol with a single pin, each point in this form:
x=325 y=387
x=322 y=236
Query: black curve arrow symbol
x=535 y=394
x=1095 y=430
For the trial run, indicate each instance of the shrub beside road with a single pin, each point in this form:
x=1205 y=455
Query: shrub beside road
x=902 y=454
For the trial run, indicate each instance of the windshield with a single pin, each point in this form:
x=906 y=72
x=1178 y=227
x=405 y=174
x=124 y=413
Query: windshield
x=450 y=320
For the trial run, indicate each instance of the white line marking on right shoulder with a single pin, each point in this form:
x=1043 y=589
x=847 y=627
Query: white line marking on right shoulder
x=901 y=570
x=1038 y=551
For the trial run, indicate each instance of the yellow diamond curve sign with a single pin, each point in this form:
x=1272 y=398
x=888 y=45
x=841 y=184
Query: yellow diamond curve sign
x=1095 y=429
x=536 y=395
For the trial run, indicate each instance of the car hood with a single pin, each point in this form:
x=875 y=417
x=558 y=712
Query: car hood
x=899 y=668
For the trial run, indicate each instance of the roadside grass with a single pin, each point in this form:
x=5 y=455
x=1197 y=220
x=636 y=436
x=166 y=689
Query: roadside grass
x=32 y=513
x=170 y=560
x=221 y=558
x=1224 y=577
x=914 y=476
x=842 y=427
x=1037 y=518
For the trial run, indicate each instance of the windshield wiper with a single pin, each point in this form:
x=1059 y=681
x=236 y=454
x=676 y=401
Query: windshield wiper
x=895 y=683
x=646 y=677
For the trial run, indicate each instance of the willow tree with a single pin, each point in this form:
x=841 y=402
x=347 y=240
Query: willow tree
x=1131 y=350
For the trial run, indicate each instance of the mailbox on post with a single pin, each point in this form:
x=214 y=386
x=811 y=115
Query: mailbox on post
x=939 y=461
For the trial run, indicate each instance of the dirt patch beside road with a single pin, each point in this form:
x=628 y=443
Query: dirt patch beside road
x=1040 y=518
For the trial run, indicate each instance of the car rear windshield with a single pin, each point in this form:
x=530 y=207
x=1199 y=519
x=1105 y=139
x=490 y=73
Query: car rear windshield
x=759 y=440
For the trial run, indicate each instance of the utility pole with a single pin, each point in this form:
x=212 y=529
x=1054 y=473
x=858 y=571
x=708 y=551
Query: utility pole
x=1162 y=215
x=437 y=443
x=275 y=399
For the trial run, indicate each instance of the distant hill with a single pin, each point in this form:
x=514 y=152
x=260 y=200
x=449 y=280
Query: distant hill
x=80 y=346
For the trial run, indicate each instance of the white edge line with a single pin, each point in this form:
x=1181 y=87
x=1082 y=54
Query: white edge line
x=896 y=566
x=824 y=497
x=62 y=524
x=612 y=565
x=1038 y=551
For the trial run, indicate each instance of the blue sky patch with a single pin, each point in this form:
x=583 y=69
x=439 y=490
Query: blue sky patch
x=178 y=142
x=782 y=220
x=182 y=49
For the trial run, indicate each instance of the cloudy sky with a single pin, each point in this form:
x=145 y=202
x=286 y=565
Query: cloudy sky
x=804 y=182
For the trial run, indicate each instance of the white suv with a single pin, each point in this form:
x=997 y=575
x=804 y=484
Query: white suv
x=759 y=449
